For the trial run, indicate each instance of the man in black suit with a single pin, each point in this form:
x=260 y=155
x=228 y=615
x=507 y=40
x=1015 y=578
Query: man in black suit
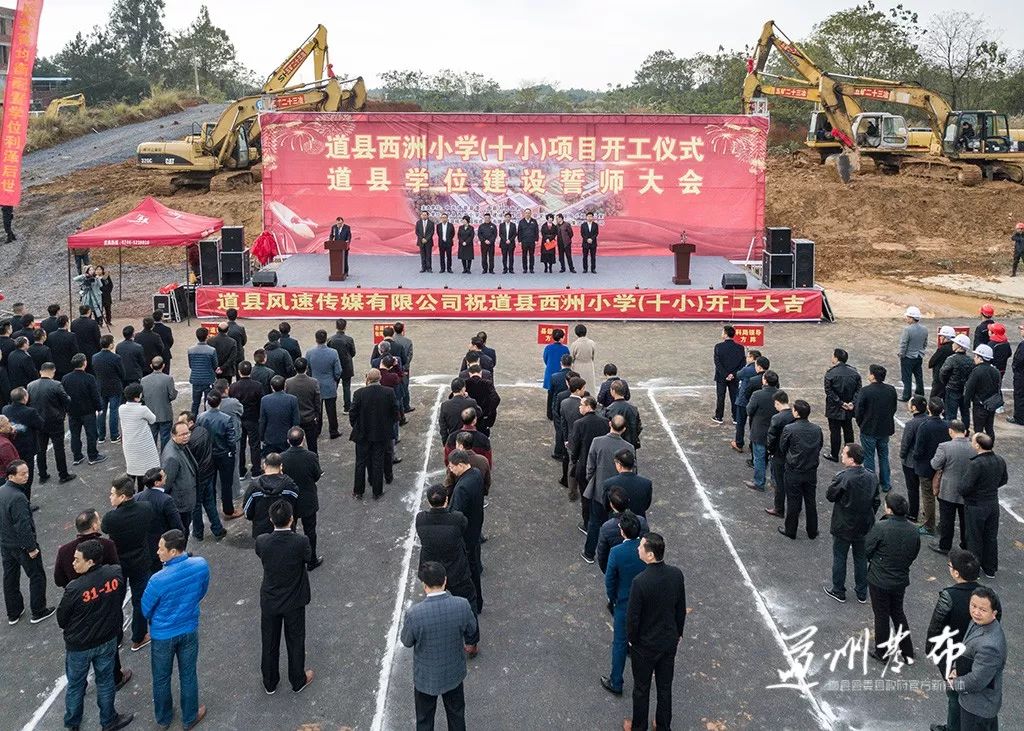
x=87 y=330
x=108 y=368
x=587 y=428
x=445 y=241
x=528 y=231
x=588 y=233
x=654 y=621
x=279 y=412
x=284 y=595
x=638 y=490
x=875 y=412
x=288 y=342
x=84 y=392
x=425 y=241
x=237 y=332
x=128 y=526
x=487 y=232
x=49 y=398
x=346 y=348
x=507 y=233
x=249 y=392
x=167 y=335
x=63 y=346
x=38 y=350
x=21 y=369
x=303 y=466
x=28 y=426
x=165 y=513
x=800 y=445
x=227 y=352
x=373 y=416
x=133 y=358
x=341 y=231
x=278 y=359
x=486 y=397
x=450 y=416
x=50 y=323
x=306 y=389
x=468 y=499
x=729 y=358
x=564 y=243
x=152 y=344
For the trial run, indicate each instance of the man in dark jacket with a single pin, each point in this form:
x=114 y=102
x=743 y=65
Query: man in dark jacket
x=227 y=352
x=279 y=412
x=91 y=616
x=486 y=397
x=152 y=345
x=487 y=232
x=917 y=407
x=842 y=384
x=50 y=323
x=249 y=392
x=84 y=394
x=200 y=446
x=303 y=466
x=373 y=415
x=935 y=363
x=987 y=311
x=28 y=426
x=760 y=410
x=87 y=330
x=875 y=412
x=891 y=546
x=237 y=332
x=284 y=594
x=109 y=371
x=611 y=374
x=279 y=360
x=527 y=232
x=450 y=414
x=587 y=428
x=288 y=342
x=978 y=678
x=264 y=491
x=167 y=335
x=982 y=391
x=38 y=350
x=639 y=490
x=932 y=432
x=133 y=357
x=728 y=360
x=442 y=534
x=307 y=390
x=1017 y=367
x=954 y=374
x=21 y=369
x=783 y=417
x=655 y=619
x=986 y=473
x=19 y=548
x=559 y=380
x=63 y=346
x=801 y=444
x=48 y=397
x=854 y=491
x=468 y=499
x=128 y=527
x=346 y=348
x=165 y=513
x=952 y=614
x=621 y=407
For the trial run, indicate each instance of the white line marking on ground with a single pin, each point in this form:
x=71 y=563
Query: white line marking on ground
x=403 y=577
x=825 y=718
x=58 y=688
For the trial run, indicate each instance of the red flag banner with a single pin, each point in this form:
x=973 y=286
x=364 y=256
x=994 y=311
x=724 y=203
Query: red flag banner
x=17 y=96
x=752 y=335
x=731 y=305
x=544 y=330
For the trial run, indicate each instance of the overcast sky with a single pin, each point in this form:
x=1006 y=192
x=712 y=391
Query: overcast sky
x=568 y=43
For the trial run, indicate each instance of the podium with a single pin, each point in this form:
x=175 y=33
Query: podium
x=682 y=252
x=337 y=252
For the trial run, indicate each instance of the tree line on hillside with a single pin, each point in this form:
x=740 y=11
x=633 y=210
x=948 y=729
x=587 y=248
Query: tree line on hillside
x=957 y=54
x=134 y=52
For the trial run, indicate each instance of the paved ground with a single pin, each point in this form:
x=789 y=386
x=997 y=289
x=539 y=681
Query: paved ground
x=545 y=631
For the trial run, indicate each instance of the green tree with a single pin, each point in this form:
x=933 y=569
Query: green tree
x=866 y=41
x=97 y=68
x=207 y=47
x=964 y=54
x=137 y=28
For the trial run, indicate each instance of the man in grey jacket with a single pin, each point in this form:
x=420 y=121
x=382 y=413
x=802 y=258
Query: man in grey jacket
x=438 y=629
x=978 y=677
x=180 y=471
x=950 y=463
x=600 y=467
x=325 y=366
x=913 y=342
x=159 y=392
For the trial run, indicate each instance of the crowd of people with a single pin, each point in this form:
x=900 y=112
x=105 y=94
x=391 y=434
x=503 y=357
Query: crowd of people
x=952 y=474
x=262 y=420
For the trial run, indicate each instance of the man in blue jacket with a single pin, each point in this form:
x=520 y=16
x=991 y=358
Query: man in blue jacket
x=202 y=366
x=325 y=366
x=624 y=564
x=171 y=604
x=279 y=412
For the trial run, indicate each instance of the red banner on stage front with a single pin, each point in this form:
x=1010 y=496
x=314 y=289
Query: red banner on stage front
x=17 y=95
x=602 y=304
x=647 y=178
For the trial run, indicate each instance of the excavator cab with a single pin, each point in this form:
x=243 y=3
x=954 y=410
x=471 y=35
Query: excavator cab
x=880 y=131
x=976 y=132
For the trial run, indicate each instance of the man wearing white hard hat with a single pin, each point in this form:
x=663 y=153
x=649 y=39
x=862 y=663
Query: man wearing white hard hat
x=945 y=349
x=982 y=391
x=954 y=374
x=913 y=342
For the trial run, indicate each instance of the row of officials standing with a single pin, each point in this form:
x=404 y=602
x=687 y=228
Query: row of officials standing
x=555 y=235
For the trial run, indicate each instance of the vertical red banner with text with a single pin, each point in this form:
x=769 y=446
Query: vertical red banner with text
x=17 y=96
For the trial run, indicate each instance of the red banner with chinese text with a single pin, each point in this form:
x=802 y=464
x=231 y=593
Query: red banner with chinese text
x=17 y=96
x=647 y=178
x=545 y=329
x=602 y=304
x=752 y=335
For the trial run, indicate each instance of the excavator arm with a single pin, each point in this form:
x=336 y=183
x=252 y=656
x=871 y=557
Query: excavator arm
x=316 y=45
x=771 y=37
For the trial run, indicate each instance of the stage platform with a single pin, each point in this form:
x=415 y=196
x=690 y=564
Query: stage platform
x=613 y=272
x=625 y=288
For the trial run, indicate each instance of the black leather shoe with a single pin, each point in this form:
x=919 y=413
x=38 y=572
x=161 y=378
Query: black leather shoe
x=606 y=683
x=783 y=532
x=316 y=563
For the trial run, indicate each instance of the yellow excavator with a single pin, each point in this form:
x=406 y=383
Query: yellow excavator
x=65 y=105
x=227 y=153
x=966 y=145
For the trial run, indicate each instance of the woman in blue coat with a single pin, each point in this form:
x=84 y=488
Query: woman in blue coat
x=552 y=357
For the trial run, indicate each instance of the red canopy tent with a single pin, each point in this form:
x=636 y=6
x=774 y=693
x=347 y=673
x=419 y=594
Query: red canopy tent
x=151 y=223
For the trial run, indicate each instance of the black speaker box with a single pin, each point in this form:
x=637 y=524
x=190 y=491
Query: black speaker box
x=778 y=240
x=777 y=270
x=209 y=262
x=803 y=263
x=264 y=278
x=232 y=238
x=734 y=280
x=163 y=303
x=234 y=268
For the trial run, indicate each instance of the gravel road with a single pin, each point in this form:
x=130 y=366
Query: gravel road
x=112 y=145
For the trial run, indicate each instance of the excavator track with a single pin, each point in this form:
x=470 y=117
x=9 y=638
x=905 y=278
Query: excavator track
x=939 y=169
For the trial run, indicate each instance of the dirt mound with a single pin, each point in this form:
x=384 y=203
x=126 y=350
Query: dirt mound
x=893 y=227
